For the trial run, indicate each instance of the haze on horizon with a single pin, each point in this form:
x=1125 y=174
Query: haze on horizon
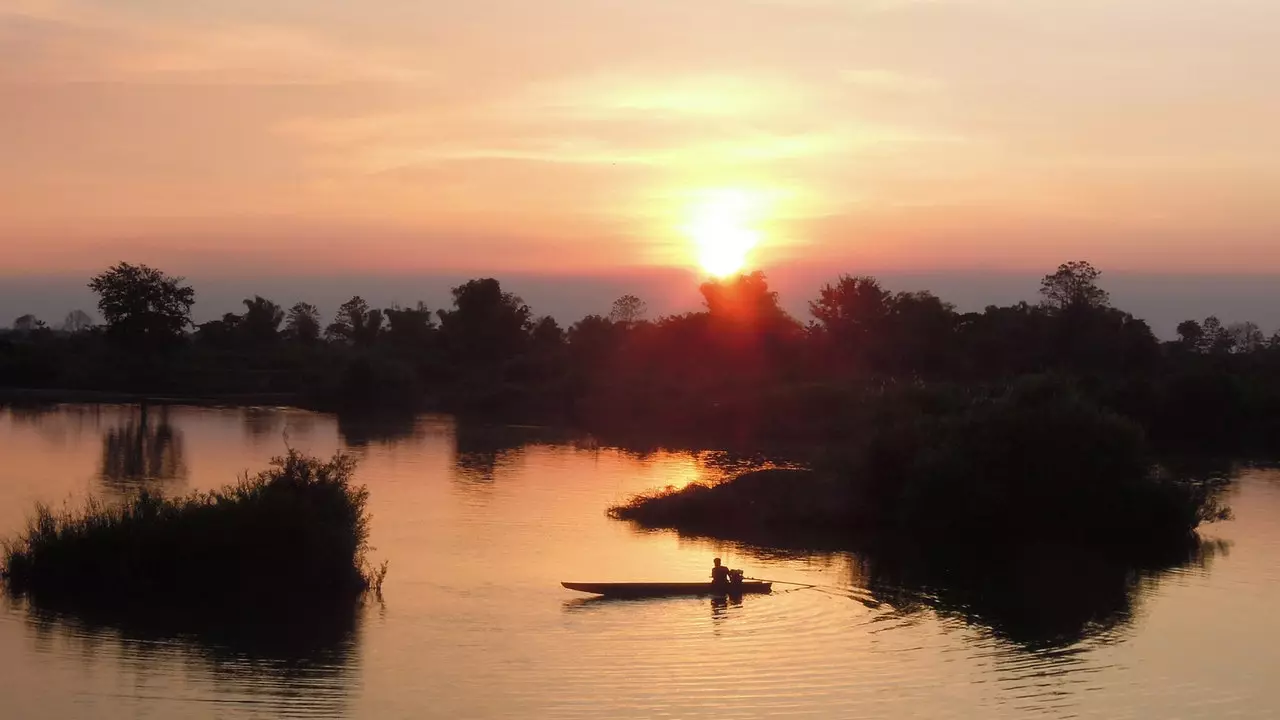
x=583 y=138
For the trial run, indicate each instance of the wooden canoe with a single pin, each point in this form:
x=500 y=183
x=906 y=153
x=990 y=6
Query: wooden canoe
x=652 y=589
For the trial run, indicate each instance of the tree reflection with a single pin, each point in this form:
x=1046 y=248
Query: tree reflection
x=27 y=412
x=480 y=450
x=1034 y=597
x=143 y=449
x=302 y=657
x=261 y=423
x=359 y=430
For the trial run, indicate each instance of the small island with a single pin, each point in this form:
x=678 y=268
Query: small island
x=295 y=532
x=1035 y=463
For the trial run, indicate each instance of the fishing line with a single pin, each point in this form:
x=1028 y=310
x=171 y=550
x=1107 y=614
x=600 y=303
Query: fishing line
x=839 y=591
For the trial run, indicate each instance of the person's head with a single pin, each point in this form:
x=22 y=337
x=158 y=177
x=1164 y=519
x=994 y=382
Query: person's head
x=717 y=562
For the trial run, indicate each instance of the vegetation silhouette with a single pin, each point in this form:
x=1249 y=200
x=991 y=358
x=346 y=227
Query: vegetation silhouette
x=1038 y=462
x=741 y=372
x=921 y=420
x=298 y=531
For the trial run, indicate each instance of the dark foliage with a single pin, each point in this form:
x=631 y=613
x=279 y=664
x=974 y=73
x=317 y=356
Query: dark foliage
x=739 y=373
x=297 y=531
x=1038 y=461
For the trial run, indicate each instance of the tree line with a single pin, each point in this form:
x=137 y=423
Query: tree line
x=729 y=366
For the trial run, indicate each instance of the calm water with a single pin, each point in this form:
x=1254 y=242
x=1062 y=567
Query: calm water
x=480 y=526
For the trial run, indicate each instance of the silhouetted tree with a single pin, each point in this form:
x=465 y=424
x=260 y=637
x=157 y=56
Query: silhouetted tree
x=483 y=339
x=745 y=300
x=1246 y=337
x=77 y=321
x=146 y=311
x=850 y=316
x=409 y=328
x=1217 y=339
x=486 y=322
x=355 y=323
x=222 y=333
x=1274 y=342
x=917 y=335
x=1074 y=285
x=591 y=341
x=547 y=332
x=303 y=323
x=628 y=310
x=27 y=323
x=1191 y=336
x=260 y=324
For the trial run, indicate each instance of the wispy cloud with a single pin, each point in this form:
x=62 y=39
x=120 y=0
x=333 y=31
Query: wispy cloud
x=590 y=118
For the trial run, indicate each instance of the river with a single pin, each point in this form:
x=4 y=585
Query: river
x=480 y=525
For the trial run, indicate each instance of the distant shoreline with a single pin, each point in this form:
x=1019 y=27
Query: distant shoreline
x=62 y=395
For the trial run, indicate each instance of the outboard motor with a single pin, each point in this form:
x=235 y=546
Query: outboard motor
x=735 y=577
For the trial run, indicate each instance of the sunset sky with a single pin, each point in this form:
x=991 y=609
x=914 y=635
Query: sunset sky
x=585 y=139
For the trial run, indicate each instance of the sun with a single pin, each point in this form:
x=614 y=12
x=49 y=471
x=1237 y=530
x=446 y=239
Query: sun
x=720 y=228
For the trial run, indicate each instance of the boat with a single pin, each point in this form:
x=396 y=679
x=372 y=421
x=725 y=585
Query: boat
x=669 y=589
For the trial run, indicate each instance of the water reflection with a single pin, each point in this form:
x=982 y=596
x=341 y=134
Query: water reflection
x=261 y=423
x=57 y=424
x=143 y=449
x=720 y=605
x=303 y=662
x=480 y=450
x=28 y=412
x=359 y=430
x=1035 y=598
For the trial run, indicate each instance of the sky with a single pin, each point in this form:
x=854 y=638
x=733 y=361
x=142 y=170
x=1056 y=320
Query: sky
x=585 y=148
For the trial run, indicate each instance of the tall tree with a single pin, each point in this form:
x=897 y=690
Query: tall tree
x=547 y=333
x=853 y=307
x=745 y=300
x=260 y=324
x=303 y=323
x=1191 y=336
x=1074 y=286
x=27 y=323
x=628 y=310
x=409 y=329
x=77 y=321
x=486 y=328
x=1246 y=337
x=1217 y=339
x=145 y=310
x=355 y=323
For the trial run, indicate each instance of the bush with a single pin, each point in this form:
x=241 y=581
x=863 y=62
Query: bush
x=1038 y=461
x=297 y=530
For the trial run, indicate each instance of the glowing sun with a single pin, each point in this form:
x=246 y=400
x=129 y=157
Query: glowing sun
x=720 y=227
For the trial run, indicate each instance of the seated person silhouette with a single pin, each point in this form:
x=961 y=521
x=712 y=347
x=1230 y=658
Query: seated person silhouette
x=719 y=573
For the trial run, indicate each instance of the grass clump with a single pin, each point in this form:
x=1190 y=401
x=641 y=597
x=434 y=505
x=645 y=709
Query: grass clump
x=299 y=529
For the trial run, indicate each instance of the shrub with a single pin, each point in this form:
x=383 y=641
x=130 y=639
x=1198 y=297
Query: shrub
x=299 y=529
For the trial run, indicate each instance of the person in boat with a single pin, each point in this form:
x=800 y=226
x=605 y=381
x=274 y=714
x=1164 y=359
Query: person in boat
x=719 y=573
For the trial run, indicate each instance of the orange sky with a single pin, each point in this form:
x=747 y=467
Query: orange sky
x=577 y=135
